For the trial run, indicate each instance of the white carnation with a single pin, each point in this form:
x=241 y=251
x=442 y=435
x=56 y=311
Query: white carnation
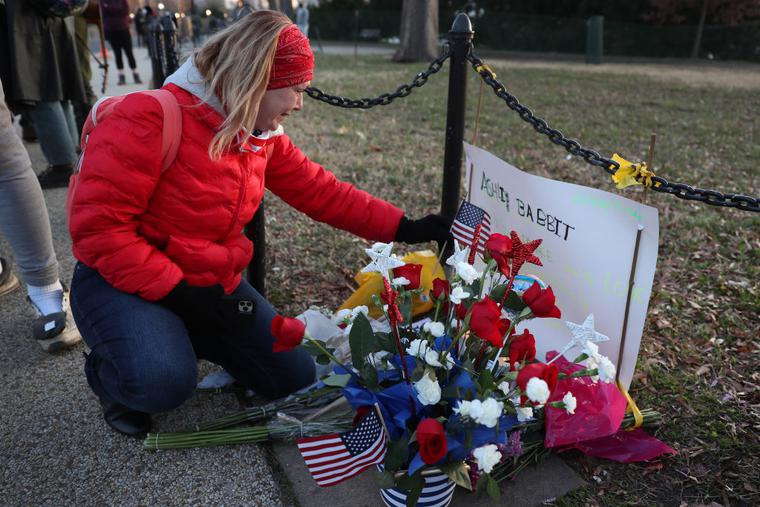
x=433 y=358
x=570 y=402
x=476 y=410
x=467 y=273
x=486 y=457
x=379 y=361
x=491 y=412
x=606 y=370
x=458 y=294
x=591 y=349
x=428 y=390
x=504 y=387
x=537 y=390
x=524 y=413
x=463 y=408
x=417 y=348
x=359 y=309
x=341 y=316
x=435 y=328
x=400 y=281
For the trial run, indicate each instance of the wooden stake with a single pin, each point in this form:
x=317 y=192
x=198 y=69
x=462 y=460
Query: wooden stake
x=650 y=162
x=628 y=300
x=469 y=182
x=382 y=421
x=335 y=404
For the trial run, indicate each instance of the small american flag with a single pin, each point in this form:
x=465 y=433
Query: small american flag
x=334 y=458
x=467 y=219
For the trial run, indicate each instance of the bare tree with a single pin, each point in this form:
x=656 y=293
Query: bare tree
x=419 y=31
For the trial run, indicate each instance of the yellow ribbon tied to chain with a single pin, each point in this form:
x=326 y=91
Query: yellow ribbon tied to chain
x=631 y=174
x=483 y=67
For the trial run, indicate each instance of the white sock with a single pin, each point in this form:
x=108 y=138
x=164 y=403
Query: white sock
x=48 y=298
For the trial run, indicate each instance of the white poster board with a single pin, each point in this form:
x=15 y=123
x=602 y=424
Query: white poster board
x=588 y=245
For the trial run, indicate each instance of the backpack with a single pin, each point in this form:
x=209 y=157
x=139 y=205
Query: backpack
x=171 y=133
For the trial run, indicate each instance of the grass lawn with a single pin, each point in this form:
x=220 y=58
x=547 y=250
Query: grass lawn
x=700 y=350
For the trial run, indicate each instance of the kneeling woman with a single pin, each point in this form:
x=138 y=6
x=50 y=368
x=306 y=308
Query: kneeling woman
x=161 y=252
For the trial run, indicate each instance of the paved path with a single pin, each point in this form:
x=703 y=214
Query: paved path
x=56 y=450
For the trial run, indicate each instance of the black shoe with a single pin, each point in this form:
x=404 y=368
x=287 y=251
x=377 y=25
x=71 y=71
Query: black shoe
x=122 y=80
x=136 y=77
x=55 y=176
x=125 y=420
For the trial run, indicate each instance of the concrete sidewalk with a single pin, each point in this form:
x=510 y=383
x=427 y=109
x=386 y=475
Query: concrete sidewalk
x=55 y=448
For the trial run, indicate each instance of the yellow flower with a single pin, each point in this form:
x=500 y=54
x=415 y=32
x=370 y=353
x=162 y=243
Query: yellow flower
x=631 y=174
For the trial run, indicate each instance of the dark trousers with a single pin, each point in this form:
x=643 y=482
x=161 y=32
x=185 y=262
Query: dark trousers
x=145 y=357
x=121 y=40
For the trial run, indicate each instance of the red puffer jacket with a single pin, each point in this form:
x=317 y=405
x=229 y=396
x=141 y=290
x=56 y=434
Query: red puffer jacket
x=145 y=231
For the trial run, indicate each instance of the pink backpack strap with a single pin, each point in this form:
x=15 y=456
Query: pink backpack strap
x=172 y=130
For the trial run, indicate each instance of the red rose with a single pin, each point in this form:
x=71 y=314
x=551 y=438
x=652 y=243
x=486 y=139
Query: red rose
x=441 y=289
x=500 y=248
x=486 y=322
x=541 y=301
x=432 y=439
x=460 y=311
x=546 y=372
x=288 y=333
x=360 y=413
x=522 y=348
x=411 y=272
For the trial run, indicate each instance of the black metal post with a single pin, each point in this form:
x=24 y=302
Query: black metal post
x=155 y=50
x=169 y=31
x=460 y=41
x=257 y=267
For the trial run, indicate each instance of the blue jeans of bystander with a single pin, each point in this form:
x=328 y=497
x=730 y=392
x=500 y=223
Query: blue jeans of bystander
x=56 y=131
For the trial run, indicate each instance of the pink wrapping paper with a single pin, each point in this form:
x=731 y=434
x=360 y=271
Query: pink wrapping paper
x=624 y=446
x=593 y=429
x=599 y=412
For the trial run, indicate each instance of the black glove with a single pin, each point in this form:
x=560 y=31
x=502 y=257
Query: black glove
x=208 y=310
x=430 y=228
x=194 y=303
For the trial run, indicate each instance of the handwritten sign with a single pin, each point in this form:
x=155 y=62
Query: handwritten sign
x=588 y=244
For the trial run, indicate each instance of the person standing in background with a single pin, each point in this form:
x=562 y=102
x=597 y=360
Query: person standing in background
x=116 y=27
x=302 y=19
x=24 y=222
x=40 y=73
x=83 y=52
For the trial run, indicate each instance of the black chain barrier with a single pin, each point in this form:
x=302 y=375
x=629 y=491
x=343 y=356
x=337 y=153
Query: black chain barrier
x=659 y=184
x=386 y=98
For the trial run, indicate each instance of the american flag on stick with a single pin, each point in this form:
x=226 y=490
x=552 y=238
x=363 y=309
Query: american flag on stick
x=467 y=219
x=334 y=458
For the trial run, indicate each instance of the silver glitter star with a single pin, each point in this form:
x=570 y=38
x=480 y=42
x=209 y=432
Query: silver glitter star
x=382 y=261
x=582 y=333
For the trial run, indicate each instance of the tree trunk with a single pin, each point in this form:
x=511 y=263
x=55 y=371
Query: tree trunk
x=419 y=31
x=700 y=29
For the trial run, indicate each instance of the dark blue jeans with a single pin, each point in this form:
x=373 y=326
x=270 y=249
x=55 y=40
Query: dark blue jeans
x=145 y=357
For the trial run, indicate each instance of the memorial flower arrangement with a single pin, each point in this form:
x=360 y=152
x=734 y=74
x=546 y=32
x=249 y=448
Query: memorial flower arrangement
x=458 y=398
x=458 y=392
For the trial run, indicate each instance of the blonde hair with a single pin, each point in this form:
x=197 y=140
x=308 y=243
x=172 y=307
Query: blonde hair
x=235 y=63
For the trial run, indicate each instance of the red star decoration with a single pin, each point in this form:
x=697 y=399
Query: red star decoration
x=390 y=296
x=523 y=252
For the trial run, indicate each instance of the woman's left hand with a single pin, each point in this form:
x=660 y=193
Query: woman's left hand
x=430 y=228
